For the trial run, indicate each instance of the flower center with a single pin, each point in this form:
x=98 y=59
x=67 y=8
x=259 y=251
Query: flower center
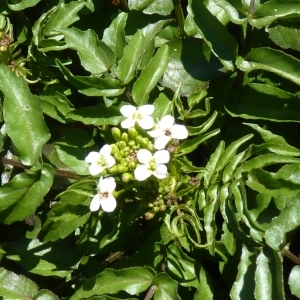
x=137 y=116
x=103 y=195
x=168 y=132
x=101 y=161
x=152 y=164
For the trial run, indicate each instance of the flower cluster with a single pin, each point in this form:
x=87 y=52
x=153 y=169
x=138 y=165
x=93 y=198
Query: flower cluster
x=133 y=155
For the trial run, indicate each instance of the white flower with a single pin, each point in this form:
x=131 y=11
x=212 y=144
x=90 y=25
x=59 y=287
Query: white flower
x=140 y=115
x=100 y=160
x=166 y=131
x=104 y=197
x=151 y=164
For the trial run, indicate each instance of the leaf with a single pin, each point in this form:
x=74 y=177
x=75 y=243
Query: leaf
x=55 y=105
x=131 y=55
x=287 y=221
x=96 y=115
x=152 y=6
x=261 y=101
x=132 y=280
x=20 y=5
x=235 y=10
x=45 y=295
x=214 y=33
x=95 y=56
x=294 y=281
x=271 y=60
x=41 y=258
x=114 y=35
x=92 y=86
x=190 y=67
x=244 y=284
x=72 y=148
x=28 y=131
x=13 y=286
x=196 y=130
x=205 y=291
x=163 y=106
x=150 y=76
x=166 y=287
x=21 y=196
x=269 y=275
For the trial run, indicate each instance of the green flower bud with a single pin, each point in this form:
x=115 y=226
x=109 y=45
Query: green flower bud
x=122 y=168
x=131 y=165
x=116 y=133
x=113 y=170
x=145 y=142
x=150 y=205
x=149 y=216
x=155 y=209
x=124 y=162
x=139 y=139
x=161 y=202
x=118 y=156
x=114 y=148
x=126 y=177
x=133 y=133
x=131 y=143
x=150 y=147
x=122 y=144
x=162 y=208
x=124 y=137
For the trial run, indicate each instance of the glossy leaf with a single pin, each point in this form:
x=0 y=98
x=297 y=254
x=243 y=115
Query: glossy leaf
x=28 y=131
x=287 y=221
x=150 y=76
x=21 y=196
x=20 y=5
x=271 y=60
x=294 y=281
x=132 y=280
x=163 y=106
x=131 y=56
x=166 y=287
x=95 y=56
x=152 y=6
x=261 y=101
x=269 y=275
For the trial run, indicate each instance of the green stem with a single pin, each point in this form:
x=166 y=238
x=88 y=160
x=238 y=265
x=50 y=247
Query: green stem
x=179 y=17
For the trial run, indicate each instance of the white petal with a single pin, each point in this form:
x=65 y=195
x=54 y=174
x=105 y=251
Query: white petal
x=128 y=110
x=162 y=156
x=146 y=110
x=141 y=172
x=161 y=171
x=95 y=169
x=155 y=133
x=179 y=132
x=146 y=123
x=166 y=122
x=109 y=161
x=95 y=204
x=108 y=204
x=144 y=156
x=105 y=150
x=161 y=142
x=92 y=157
x=107 y=184
x=128 y=123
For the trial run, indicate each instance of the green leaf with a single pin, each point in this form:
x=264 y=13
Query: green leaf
x=181 y=266
x=196 y=130
x=114 y=35
x=132 y=280
x=150 y=76
x=166 y=287
x=214 y=33
x=163 y=106
x=152 y=6
x=92 y=86
x=21 y=196
x=95 y=56
x=190 y=145
x=287 y=221
x=205 y=291
x=261 y=101
x=269 y=275
x=20 y=5
x=13 y=286
x=28 y=131
x=42 y=258
x=235 y=10
x=243 y=286
x=271 y=60
x=294 y=281
x=274 y=9
x=72 y=148
x=63 y=219
x=191 y=66
x=96 y=115
x=45 y=295
x=131 y=56
x=55 y=105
